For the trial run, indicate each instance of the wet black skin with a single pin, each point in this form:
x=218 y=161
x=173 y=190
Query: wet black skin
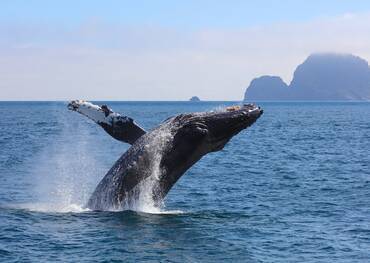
x=126 y=131
x=191 y=137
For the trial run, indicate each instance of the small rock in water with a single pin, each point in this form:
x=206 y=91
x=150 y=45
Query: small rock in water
x=194 y=98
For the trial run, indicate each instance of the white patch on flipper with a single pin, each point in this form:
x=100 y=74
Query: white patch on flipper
x=95 y=113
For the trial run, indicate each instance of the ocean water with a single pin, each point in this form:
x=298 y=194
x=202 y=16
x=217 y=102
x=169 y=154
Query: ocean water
x=294 y=187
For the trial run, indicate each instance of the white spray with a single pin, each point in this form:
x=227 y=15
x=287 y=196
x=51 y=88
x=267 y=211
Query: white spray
x=66 y=171
x=143 y=192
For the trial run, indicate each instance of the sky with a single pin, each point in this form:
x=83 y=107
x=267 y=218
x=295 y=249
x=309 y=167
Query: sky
x=166 y=50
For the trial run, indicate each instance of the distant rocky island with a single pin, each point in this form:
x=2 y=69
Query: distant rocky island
x=320 y=77
x=194 y=98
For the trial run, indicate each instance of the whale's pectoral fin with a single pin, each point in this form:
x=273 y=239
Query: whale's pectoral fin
x=120 y=127
x=124 y=129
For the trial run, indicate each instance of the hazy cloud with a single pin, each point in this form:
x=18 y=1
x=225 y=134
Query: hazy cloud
x=103 y=61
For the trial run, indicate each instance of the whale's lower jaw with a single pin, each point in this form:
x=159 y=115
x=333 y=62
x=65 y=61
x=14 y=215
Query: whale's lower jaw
x=155 y=162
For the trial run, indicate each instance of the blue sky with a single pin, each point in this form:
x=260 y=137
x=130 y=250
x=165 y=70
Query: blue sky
x=183 y=14
x=166 y=50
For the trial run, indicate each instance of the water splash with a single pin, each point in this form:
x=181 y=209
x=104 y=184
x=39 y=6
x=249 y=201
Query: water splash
x=56 y=207
x=145 y=190
x=66 y=171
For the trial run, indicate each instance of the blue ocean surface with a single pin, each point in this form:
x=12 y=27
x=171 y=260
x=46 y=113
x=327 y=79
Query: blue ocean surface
x=294 y=187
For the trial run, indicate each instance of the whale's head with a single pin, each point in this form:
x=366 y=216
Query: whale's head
x=210 y=131
x=223 y=125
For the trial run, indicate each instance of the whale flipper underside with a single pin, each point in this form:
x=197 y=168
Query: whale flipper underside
x=120 y=127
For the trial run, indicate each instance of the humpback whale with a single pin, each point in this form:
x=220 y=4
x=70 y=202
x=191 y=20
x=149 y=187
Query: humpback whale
x=157 y=159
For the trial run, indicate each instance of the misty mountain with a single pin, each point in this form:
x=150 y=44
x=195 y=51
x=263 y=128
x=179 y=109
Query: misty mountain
x=319 y=77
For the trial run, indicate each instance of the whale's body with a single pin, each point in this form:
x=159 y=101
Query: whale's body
x=156 y=160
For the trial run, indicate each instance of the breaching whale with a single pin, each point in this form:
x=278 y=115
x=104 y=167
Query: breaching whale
x=157 y=159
